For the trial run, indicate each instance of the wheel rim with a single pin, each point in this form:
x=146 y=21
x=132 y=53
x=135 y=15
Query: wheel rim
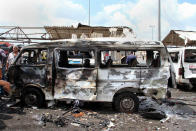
x=127 y=103
x=31 y=99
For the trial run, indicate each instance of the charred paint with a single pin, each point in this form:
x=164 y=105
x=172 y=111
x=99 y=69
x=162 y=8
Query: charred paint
x=75 y=83
x=95 y=84
x=26 y=75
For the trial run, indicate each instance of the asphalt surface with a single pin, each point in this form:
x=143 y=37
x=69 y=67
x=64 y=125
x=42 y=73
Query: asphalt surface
x=180 y=112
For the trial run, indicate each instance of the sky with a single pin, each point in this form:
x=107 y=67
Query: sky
x=140 y=15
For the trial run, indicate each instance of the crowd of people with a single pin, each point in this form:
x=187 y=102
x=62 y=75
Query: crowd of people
x=5 y=61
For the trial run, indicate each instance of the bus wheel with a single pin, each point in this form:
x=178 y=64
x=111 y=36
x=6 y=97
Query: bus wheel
x=126 y=102
x=32 y=97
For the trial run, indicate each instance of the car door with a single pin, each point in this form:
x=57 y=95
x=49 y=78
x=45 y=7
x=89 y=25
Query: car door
x=29 y=68
x=154 y=77
x=75 y=74
x=115 y=75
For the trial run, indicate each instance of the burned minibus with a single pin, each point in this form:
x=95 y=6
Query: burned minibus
x=91 y=70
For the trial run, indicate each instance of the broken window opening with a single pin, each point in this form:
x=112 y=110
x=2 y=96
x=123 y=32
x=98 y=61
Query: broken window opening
x=32 y=57
x=174 y=56
x=130 y=58
x=76 y=58
x=190 y=55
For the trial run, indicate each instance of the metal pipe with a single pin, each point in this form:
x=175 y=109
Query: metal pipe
x=23 y=38
x=10 y=27
x=152 y=26
x=159 y=20
x=89 y=13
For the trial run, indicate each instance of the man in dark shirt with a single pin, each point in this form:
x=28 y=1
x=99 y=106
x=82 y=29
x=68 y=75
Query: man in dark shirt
x=130 y=59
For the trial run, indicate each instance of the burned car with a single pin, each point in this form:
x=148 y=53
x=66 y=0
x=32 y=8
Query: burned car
x=91 y=70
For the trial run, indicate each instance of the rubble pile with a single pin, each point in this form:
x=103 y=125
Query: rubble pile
x=87 y=120
x=93 y=120
x=96 y=116
x=168 y=108
x=90 y=120
x=4 y=108
x=75 y=117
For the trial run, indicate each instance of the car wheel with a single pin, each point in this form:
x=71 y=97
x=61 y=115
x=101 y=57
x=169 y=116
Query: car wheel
x=32 y=97
x=126 y=102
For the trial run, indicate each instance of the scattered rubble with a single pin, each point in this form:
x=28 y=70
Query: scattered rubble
x=170 y=115
x=78 y=114
x=154 y=114
x=75 y=124
x=78 y=117
x=51 y=103
x=75 y=117
x=63 y=121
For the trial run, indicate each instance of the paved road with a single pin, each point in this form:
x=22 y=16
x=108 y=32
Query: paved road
x=181 y=116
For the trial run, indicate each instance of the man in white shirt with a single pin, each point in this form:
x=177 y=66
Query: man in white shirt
x=11 y=57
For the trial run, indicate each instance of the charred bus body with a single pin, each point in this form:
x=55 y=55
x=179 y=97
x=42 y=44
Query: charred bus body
x=81 y=70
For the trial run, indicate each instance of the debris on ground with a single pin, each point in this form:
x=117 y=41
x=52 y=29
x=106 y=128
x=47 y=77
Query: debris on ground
x=75 y=124
x=75 y=117
x=165 y=120
x=95 y=121
x=12 y=102
x=170 y=115
x=51 y=103
x=154 y=114
x=78 y=114
x=43 y=119
x=111 y=124
x=34 y=107
x=152 y=110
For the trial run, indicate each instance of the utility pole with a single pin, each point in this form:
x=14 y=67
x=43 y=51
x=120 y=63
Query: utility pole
x=89 y=13
x=159 y=20
x=152 y=27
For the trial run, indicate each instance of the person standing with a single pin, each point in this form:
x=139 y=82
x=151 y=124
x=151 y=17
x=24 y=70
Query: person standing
x=2 y=58
x=5 y=84
x=11 y=57
x=130 y=59
x=106 y=57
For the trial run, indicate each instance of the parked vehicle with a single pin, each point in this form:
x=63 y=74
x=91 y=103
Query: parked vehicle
x=184 y=61
x=6 y=47
x=58 y=75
